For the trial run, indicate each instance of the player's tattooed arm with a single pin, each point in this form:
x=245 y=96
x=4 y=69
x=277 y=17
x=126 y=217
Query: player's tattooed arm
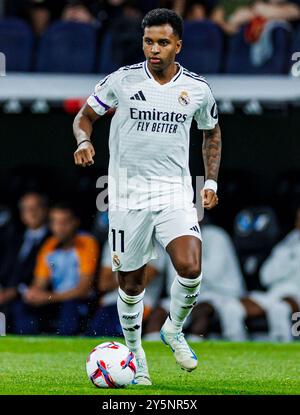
x=211 y=150
x=82 y=128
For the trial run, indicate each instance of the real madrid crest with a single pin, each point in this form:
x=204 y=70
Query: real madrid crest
x=116 y=261
x=184 y=98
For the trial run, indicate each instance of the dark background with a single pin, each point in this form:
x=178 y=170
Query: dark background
x=260 y=162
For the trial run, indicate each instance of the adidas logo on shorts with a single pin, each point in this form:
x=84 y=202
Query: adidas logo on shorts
x=195 y=229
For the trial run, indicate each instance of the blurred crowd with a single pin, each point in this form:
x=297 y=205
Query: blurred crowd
x=56 y=278
x=228 y=15
x=215 y=31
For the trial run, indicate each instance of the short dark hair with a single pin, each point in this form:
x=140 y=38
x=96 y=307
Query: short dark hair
x=158 y=17
x=66 y=206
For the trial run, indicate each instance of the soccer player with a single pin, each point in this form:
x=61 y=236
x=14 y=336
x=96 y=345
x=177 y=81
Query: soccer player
x=155 y=102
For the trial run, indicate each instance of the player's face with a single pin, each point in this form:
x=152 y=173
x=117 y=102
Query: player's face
x=160 y=45
x=62 y=224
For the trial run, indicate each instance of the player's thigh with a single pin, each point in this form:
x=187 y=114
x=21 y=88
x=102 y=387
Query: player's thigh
x=179 y=232
x=185 y=254
x=130 y=239
x=173 y=223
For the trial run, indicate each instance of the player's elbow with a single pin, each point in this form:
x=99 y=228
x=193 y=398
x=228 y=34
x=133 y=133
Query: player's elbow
x=214 y=133
x=77 y=120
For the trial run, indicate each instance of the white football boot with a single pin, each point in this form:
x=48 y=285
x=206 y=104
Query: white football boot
x=142 y=376
x=183 y=354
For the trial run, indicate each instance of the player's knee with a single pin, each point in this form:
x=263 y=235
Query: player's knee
x=132 y=290
x=189 y=270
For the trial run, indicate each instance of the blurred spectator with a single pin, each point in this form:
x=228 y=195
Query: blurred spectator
x=110 y=10
x=122 y=41
x=21 y=248
x=222 y=283
x=106 y=320
x=193 y=10
x=259 y=12
x=197 y=10
x=77 y=11
x=64 y=274
x=132 y=8
x=39 y=15
x=280 y=275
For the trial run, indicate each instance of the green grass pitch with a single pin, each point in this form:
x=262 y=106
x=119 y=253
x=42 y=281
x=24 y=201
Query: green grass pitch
x=52 y=365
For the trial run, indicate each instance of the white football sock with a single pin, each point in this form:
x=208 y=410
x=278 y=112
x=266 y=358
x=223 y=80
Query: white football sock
x=130 y=310
x=184 y=294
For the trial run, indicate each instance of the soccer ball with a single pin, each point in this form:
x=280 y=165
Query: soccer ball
x=111 y=365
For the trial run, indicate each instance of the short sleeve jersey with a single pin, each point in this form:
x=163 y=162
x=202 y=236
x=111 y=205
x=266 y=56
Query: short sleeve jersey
x=149 y=134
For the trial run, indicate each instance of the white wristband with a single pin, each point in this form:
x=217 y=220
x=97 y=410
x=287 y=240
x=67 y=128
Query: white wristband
x=211 y=185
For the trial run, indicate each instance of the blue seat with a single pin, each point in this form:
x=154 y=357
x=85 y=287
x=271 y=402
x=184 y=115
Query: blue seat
x=202 y=47
x=238 y=57
x=16 y=42
x=106 y=64
x=67 y=47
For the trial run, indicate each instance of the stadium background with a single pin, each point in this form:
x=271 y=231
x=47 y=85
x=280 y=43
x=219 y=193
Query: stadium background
x=260 y=158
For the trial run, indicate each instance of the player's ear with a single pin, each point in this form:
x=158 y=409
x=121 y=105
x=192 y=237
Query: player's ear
x=178 y=46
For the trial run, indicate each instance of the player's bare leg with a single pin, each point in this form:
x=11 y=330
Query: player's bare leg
x=185 y=253
x=130 y=309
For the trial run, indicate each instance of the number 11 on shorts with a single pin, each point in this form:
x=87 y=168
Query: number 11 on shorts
x=121 y=232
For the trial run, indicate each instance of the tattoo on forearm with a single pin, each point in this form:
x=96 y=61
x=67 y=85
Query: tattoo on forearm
x=211 y=150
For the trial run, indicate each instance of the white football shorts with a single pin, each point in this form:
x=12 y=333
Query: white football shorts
x=132 y=233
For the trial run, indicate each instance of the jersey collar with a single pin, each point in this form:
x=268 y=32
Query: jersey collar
x=174 y=79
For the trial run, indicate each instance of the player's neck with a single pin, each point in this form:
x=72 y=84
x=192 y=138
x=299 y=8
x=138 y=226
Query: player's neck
x=165 y=76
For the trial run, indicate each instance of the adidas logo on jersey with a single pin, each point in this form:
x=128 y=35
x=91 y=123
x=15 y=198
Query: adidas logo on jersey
x=194 y=228
x=139 y=96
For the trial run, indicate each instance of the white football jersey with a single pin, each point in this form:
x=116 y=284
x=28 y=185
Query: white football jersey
x=149 y=134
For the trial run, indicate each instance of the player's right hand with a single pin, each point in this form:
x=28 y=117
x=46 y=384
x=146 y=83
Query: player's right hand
x=84 y=154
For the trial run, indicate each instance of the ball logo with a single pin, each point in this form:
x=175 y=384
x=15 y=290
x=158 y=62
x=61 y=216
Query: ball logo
x=116 y=260
x=184 y=98
x=111 y=345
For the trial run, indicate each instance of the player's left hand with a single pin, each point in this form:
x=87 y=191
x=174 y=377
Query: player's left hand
x=209 y=198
